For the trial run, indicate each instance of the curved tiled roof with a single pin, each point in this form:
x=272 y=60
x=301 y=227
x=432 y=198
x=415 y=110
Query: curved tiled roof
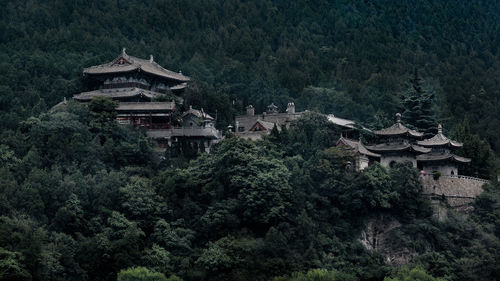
x=358 y=146
x=148 y=106
x=398 y=129
x=440 y=140
x=179 y=87
x=267 y=125
x=116 y=94
x=431 y=157
x=130 y=63
x=197 y=113
x=393 y=147
x=344 y=122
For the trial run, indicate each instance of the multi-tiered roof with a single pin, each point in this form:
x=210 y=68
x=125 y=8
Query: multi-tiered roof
x=128 y=78
x=441 y=146
x=398 y=130
x=440 y=140
x=398 y=139
x=129 y=64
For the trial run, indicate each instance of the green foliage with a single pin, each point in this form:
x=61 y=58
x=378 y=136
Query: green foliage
x=312 y=132
x=7 y=157
x=417 y=105
x=103 y=114
x=158 y=259
x=10 y=267
x=140 y=274
x=352 y=58
x=314 y=275
x=246 y=211
x=409 y=202
x=81 y=198
x=414 y=274
x=482 y=157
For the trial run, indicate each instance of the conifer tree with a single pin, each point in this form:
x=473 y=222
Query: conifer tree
x=483 y=164
x=417 y=107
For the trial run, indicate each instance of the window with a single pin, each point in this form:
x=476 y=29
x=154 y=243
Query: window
x=241 y=129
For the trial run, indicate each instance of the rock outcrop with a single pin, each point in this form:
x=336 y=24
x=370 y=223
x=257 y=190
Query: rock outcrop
x=376 y=236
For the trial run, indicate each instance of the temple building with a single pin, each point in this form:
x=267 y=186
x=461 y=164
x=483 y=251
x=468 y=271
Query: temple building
x=148 y=96
x=440 y=159
x=252 y=126
x=131 y=79
x=398 y=144
x=362 y=155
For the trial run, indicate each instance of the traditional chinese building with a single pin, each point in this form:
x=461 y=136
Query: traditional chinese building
x=440 y=159
x=147 y=96
x=398 y=144
x=252 y=126
x=132 y=79
x=362 y=155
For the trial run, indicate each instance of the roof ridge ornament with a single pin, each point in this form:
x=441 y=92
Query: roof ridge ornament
x=123 y=51
x=150 y=58
x=398 y=118
x=440 y=129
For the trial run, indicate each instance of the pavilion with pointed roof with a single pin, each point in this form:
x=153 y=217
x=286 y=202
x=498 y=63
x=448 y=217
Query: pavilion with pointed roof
x=398 y=144
x=441 y=159
x=398 y=130
x=362 y=155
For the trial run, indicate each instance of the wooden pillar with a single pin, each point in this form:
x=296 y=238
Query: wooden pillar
x=150 y=121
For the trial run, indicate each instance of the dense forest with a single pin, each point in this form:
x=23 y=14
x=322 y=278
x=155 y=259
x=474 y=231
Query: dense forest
x=82 y=198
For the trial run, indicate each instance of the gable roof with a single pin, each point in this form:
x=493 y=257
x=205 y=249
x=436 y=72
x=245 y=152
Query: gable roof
x=268 y=126
x=440 y=140
x=357 y=146
x=126 y=63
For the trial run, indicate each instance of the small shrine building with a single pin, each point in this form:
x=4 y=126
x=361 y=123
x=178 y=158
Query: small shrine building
x=398 y=144
x=362 y=155
x=440 y=159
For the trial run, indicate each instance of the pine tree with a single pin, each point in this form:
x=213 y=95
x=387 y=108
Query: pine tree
x=483 y=159
x=417 y=107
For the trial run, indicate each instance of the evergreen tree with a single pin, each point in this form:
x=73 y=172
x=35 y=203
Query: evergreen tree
x=417 y=107
x=483 y=162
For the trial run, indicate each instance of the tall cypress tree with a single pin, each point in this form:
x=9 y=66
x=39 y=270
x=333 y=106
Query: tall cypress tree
x=417 y=107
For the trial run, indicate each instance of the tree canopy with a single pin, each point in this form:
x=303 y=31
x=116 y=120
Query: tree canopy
x=82 y=198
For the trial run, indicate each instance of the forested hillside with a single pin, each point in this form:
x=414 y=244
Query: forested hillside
x=82 y=198
x=350 y=58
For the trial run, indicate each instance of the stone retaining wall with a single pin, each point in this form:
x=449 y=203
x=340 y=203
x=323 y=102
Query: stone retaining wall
x=458 y=192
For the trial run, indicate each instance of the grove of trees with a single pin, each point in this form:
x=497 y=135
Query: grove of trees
x=82 y=198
